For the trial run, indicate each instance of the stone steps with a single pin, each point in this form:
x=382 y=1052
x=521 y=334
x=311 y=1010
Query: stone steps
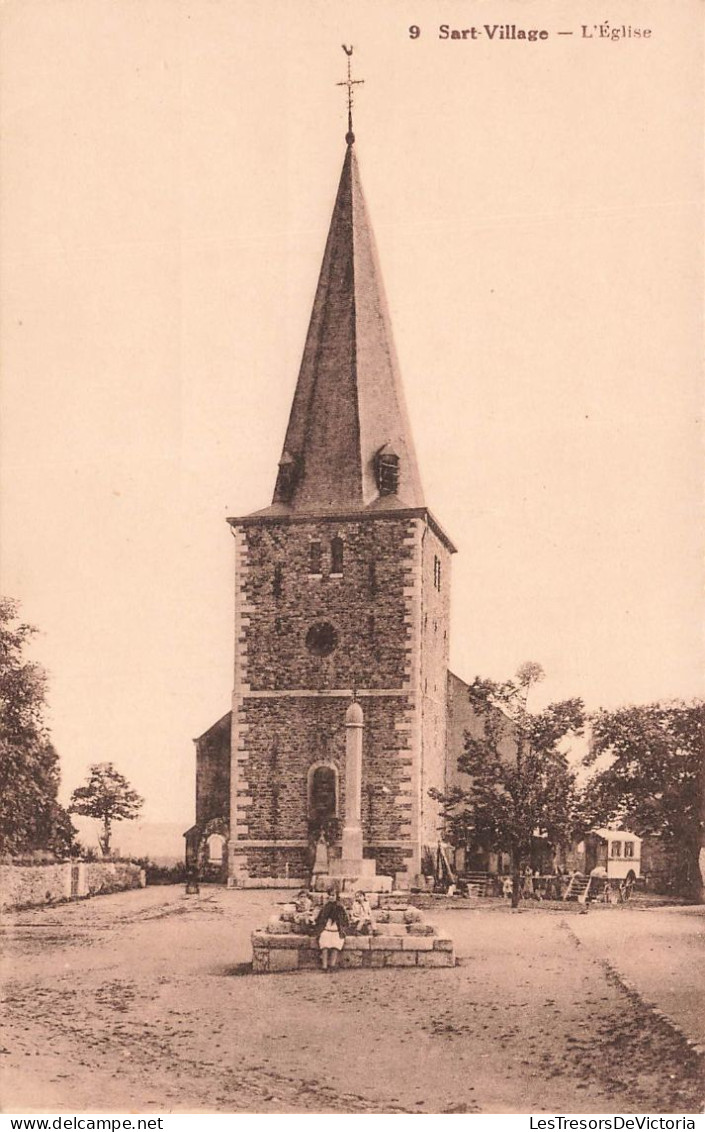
x=349 y=884
x=400 y=938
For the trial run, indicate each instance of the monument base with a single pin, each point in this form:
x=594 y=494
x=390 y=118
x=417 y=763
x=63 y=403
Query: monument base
x=399 y=938
x=350 y=881
x=396 y=936
x=352 y=867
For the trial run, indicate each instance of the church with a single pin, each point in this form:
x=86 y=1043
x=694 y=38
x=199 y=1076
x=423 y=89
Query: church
x=342 y=592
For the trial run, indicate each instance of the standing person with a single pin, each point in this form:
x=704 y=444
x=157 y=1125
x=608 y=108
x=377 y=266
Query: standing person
x=331 y=924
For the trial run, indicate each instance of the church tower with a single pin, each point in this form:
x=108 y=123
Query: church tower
x=342 y=585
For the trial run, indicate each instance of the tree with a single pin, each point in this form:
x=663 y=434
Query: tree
x=108 y=796
x=30 y=814
x=655 y=777
x=520 y=782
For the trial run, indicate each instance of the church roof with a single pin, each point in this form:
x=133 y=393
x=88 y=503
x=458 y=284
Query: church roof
x=222 y=724
x=348 y=410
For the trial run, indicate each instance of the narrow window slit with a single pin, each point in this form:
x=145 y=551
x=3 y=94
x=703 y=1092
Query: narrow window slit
x=336 y=556
x=314 y=558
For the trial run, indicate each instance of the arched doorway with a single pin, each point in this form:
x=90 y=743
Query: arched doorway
x=212 y=860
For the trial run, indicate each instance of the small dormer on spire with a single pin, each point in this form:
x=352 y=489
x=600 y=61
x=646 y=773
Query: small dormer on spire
x=289 y=468
x=387 y=470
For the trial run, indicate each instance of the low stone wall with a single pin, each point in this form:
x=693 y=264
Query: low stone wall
x=272 y=953
x=110 y=876
x=23 y=886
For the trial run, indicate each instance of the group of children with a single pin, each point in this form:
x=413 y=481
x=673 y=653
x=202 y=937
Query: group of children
x=331 y=922
x=307 y=914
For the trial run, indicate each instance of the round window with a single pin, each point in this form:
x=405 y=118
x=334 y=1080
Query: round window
x=321 y=639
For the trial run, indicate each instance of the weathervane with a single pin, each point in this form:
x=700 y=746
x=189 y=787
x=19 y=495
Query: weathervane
x=350 y=83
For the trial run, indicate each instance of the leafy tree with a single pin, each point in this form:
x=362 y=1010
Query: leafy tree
x=520 y=781
x=654 y=779
x=108 y=796
x=30 y=815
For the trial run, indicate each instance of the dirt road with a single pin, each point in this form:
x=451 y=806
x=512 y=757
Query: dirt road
x=661 y=954
x=142 y=1001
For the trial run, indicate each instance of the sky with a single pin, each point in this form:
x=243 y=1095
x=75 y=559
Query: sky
x=168 y=171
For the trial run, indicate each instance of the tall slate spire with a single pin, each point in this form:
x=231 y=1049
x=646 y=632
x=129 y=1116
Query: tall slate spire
x=348 y=413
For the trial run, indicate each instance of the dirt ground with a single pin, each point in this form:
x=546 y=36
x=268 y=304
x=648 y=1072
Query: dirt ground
x=661 y=955
x=142 y=1002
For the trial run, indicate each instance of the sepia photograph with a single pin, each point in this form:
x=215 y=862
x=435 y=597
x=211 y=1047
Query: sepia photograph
x=352 y=719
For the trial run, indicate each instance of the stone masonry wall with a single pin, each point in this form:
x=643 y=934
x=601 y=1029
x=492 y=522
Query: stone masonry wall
x=289 y=704
x=28 y=886
x=435 y=625
x=34 y=884
x=365 y=604
x=110 y=876
x=213 y=772
x=288 y=735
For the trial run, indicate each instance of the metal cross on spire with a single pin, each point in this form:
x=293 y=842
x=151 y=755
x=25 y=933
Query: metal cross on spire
x=350 y=82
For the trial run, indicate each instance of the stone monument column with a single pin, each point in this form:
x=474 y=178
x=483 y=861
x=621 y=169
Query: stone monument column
x=352 y=829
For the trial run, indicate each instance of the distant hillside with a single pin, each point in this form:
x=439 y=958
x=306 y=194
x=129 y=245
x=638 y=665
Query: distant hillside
x=162 y=842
